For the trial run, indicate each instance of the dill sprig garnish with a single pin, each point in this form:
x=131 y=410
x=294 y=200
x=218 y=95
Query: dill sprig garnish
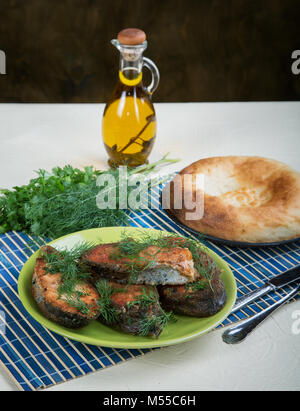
x=153 y=324
x=144 y=311
x=68 y=264
x=74 y=301
x=198 y=285
x=107 y=311
x=132 y=248
x=202 y=263
x=144 y=300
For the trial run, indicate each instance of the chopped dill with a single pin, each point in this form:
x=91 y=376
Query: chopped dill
x=67 y=262
x=132 y=249
x=149 y=324
x=144 y=300
x=74 y=301
x=199 y=285
x=107 y=311
x=152 y=324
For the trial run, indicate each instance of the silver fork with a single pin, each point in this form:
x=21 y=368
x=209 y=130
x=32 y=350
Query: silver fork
x=240 y=331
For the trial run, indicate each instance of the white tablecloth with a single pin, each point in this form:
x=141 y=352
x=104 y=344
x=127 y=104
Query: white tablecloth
x=36 y=136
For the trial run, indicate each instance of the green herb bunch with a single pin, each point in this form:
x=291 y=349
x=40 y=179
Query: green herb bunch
x=38 y=206
x=63 y=201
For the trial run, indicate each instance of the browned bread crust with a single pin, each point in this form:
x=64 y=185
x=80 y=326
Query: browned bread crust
x=250 y=199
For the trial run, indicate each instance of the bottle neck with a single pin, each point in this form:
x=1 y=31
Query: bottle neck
x=131 y=62
x=130 y=71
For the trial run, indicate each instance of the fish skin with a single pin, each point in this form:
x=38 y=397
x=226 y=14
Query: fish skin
x=193 y=303
x=185 y=300
x=45 y=292
x=130 y=316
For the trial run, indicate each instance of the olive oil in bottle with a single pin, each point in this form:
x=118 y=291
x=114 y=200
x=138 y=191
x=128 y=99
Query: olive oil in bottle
x=129 y=122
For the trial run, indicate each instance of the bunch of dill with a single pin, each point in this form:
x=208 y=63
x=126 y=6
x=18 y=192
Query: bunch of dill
x=63 y=201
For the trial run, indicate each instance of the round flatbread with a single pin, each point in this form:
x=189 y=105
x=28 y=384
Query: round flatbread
x=248 y=199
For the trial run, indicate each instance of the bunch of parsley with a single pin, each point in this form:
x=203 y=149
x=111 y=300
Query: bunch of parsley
x=62 y=202
x=30 y=207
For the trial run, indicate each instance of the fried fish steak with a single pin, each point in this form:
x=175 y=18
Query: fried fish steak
x=203 y=298
x=133 y=309
x=155 y=265
x=57 y=308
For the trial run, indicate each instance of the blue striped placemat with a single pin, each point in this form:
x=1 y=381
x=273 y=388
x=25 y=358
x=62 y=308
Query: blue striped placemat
x=38 y=358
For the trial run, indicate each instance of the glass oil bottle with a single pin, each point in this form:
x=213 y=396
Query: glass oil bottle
x=129 y=122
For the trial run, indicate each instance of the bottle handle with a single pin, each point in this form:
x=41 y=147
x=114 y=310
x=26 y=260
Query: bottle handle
x=155 y=75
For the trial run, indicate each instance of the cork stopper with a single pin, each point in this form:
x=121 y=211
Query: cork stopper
x=131 y=37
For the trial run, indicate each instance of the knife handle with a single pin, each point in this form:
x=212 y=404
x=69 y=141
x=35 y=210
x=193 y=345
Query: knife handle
x=253 y=295
x=240 y=331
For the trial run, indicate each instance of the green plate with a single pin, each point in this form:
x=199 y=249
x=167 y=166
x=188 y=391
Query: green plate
x=96 y=333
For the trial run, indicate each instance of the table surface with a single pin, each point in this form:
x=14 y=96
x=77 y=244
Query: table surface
x=37 y=136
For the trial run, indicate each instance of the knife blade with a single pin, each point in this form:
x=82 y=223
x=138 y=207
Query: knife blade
x=273 y=284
